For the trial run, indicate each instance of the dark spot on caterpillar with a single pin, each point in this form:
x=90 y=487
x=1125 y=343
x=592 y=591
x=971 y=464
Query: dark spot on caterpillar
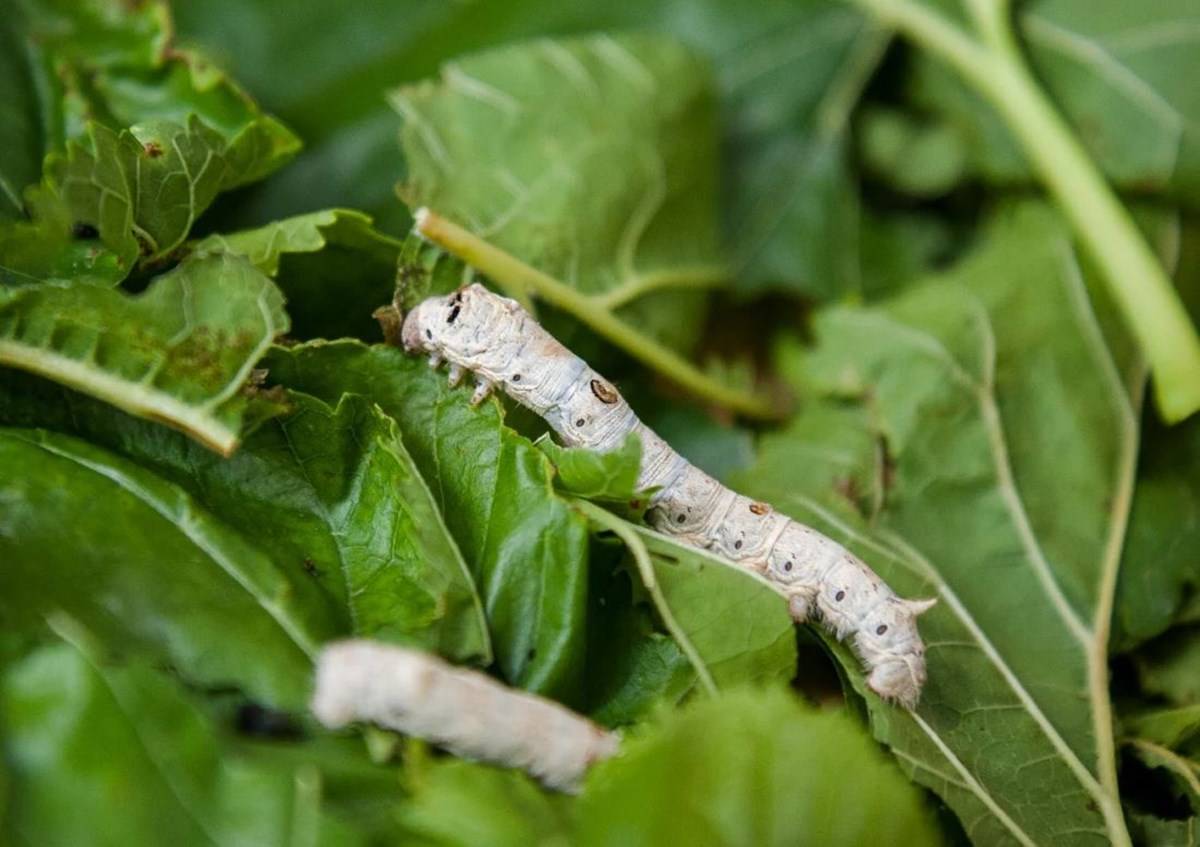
x=84 y=231
x=310 y=567
x=839 y=596
x=787 y=566
x=453 y=316
x=737 y=545
x=531 y=654
x=580 y=422
x=429 y=334
x=682 y=517
x=881 y=629
x=635 y=504
x=604 y=393
x=516 y=378
x=759 y=508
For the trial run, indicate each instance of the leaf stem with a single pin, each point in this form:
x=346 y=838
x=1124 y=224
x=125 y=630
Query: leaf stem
x=641 y=556
x=699 y=277
x=518 y=278
x=1103 y=225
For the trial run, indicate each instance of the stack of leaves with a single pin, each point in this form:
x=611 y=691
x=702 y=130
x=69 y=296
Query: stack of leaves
x=211 y=461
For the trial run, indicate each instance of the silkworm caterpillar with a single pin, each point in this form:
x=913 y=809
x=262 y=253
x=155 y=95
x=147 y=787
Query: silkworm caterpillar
x=467 y=712
x=497 y=340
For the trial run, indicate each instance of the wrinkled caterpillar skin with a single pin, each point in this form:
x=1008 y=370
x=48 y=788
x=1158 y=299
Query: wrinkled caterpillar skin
x=498 y=341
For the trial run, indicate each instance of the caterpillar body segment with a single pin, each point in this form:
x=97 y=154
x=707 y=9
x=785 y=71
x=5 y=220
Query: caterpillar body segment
x=463 y=710
x=494 y=338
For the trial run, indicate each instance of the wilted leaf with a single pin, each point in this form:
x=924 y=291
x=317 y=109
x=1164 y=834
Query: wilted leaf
x=179 y=353
x=985 y=453
x=139 y=563
x=333 y=266
x=751 y=768
x=526 y=548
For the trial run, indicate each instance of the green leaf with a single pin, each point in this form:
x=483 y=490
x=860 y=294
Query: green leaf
x=924 y=159
x=789 y=74
x=526 y=548
x=20 y=124
x=331 y=496
x=265 y=246
x=596 y=476
x=1122 y=76
x=140 y=137
x=139 y=563
x=144 y=187
x=463 y=804
x=977 y=441
x=595 y=161
x=732 y=626
x=48 y=250
x=738 y=624
x=333 y=266
x=1183 y=772
x=751 y=768
x=1161 y=564
x=122 y=755
x=1170 y=665
x=633 y=666
x=179 y=353
x=1156 y=832
x=117 y=64
x=423 y=271
x=791 y=77
x=100 y=32
x=1171 y=728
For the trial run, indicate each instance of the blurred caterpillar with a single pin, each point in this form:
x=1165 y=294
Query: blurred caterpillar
x=494 y=338
x=467 y=712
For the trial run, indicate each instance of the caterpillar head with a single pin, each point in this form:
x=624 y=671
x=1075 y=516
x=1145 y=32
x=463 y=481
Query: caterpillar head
x=890 y=646
x=416 y=335
x=435 y=320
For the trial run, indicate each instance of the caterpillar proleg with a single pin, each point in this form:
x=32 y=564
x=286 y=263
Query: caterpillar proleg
x=465 y=711
x=503 y=346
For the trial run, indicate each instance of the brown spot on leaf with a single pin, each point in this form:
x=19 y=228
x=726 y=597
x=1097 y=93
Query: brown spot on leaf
x=760 y=508
x=152 y=149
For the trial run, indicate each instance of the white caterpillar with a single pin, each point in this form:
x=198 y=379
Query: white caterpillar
x=467 y=712
x=493 y=337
